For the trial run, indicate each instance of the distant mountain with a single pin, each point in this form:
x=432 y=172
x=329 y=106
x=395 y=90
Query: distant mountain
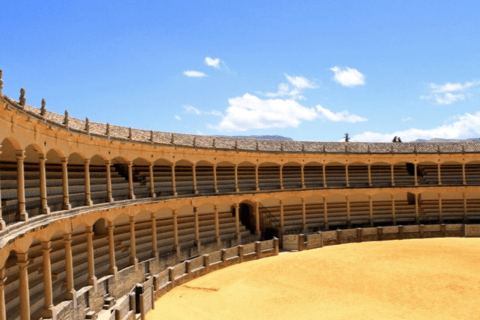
x=274 y=137
x=448 y=140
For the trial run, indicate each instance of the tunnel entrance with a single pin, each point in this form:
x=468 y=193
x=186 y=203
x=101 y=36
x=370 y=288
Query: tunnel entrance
x=247 y=218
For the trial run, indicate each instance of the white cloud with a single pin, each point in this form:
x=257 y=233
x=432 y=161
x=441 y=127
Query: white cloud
x=348 y=77
x=177 y=117
x=212 y=62
x=448 y=93
x=194 y=74
x=297 y=84
x=251 y=112
x=191 y=109
x=465 y=126
x=406 y=119
x=339 y=116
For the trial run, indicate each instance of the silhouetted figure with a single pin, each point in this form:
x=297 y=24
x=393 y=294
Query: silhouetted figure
x=347 y=138
x=399 y=140
x=394 y=139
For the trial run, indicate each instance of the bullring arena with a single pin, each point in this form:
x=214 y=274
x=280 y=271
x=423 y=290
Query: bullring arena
x=100 y=221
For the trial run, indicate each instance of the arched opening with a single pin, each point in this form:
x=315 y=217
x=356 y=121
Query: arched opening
x=247 y=217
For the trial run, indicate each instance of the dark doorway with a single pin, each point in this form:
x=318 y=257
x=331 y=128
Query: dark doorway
x=246 y=218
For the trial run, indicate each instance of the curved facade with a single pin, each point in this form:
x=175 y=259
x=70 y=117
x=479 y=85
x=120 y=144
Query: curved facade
x=88 y=210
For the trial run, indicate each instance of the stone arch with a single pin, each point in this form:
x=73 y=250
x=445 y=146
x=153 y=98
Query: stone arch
x=8 y=149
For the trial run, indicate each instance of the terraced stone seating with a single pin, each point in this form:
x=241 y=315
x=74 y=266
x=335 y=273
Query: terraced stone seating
x=246 y=178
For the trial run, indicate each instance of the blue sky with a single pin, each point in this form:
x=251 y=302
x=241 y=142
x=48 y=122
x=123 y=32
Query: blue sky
x=309 y=70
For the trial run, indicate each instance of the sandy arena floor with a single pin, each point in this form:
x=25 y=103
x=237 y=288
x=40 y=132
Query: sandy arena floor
x=409 y=279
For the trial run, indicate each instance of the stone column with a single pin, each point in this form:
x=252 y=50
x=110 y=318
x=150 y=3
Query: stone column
x=66 y=198
x=304 y=216
x=236 y=179
x=324 y=176
x=92 y=280
x=464 y=177
x=176 y=247
x=47 y=311
x=415 y=173
x=24 y=291
x=465 y=211
x=349 y=218
x=194 y=176
x=112 y=269
x=369 y=175
x=133 y=245
x=174 y=186
x=347 y=181
x=370 y=206
x=238 y=236
x=215 y=184
x=3 y=310
x=282 y=221
x=88 y=198
x=131 y=194
x=154 y=236
x=439 y=166
x=281 y=177
x=21 y=207
x=394 y=217
x=417 y=214
x=196 y=229
x=440 y=211
x=392 y=174
x=69 y=282
x=257 y=188
x=325 y=213
x=152 y=181
x=109 y=181
x=218 y=240
x=43 y=185
x=302 y=168
x=258 y=231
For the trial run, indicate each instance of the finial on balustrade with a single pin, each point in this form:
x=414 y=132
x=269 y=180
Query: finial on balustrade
x=87 y=125
x=213 y=144
x=129 y=133
x=107 y=130
x=281 y=147
x=438 y=149
x=66 y=119
x=463 y=148
x=151 y=136
x=391 y=149
x=194 y=143
x=257 y=148
x=414 y=148
x=324 y=149
x=43 y=109
x=172 y=140
x=346 y=149
x=303 y=147
x=22 y=99
x=236 y=145
x=1 y=81
x=368 y=149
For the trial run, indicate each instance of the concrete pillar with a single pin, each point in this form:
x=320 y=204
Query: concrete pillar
x=109 y=181
x=347 y=181
x=215 y=184
x=349 y=218
x=281 y=177
x=154 y=236
x=236 y=179
x=302 y=168
x=92 y=280
x=43 y=185
x=194 y=177
x=392 y=174
x=465 y=211
x=257 y=188
x=21 y=208
x=238 y=236
x=304 y=216
x=370 y=206
x=196 y=228
x=324 y=175
x=417 y=214
x=112 y=269
x=131 y=194
x=415 y=173
x=394 y=217
x=3 y=310
x=174 y=185
x=176 y=247
x=440 y=211
x=258 y=231
x=464 y=176
x=369 y=175
x=88 y=198
x=325 y=213
x=24 y=291
x=152 y=181
x=218 y=240
x=69 y=282
x=47 y=311
x=282 y=221
x=439 y=166
x=66 y=198
x=133 y=244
